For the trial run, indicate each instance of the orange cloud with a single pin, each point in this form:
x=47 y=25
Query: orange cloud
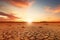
x=53 y=10
x=21 y=3
x=7 y=16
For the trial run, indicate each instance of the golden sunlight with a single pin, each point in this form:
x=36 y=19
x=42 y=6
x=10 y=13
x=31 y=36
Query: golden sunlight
x=29 y=20
x=28 y=15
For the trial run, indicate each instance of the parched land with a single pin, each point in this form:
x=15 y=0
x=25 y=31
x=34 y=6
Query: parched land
x=32 y=31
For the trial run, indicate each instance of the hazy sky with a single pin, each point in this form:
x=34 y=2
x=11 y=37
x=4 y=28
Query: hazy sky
x=33 y=10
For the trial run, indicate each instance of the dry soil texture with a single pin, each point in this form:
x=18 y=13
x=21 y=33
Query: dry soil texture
x=29 y=31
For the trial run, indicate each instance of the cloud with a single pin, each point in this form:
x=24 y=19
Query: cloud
x=7 y=16
x=53 y=10
x=21 y=3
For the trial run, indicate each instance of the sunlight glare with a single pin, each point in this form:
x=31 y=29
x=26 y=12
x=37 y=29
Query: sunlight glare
x=29 y=20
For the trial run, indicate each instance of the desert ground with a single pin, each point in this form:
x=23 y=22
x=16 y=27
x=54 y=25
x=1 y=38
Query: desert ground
x=29 y=31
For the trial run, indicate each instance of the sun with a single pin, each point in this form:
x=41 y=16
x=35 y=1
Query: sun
x=28 y=20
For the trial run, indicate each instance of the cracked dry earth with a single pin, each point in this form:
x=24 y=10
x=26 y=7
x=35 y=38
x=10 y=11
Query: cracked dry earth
x=34 y=31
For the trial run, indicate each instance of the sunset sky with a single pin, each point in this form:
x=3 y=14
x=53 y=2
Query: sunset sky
x=30 y=10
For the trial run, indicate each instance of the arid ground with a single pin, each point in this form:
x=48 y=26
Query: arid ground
x=29 y=31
